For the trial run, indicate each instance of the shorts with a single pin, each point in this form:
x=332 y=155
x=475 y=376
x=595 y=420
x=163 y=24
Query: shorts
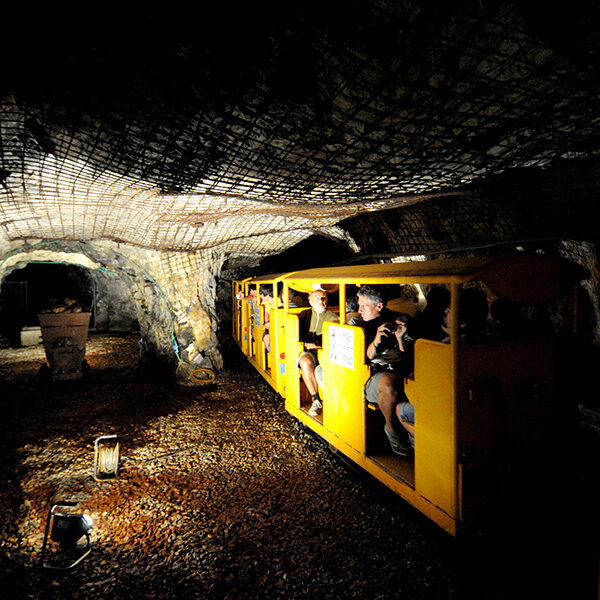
x=312 y=354
x=372 y=389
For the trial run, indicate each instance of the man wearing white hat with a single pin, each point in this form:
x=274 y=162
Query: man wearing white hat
x=311 y=333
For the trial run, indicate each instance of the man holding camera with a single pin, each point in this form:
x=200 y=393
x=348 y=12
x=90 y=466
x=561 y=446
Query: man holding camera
x=389 y=351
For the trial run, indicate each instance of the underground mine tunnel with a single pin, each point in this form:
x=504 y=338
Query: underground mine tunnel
x=157 y=168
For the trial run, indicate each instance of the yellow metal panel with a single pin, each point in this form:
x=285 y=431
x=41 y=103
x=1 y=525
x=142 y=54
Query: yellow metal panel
x=435 y=440
x=238 y=287
x=269 y=278
x=261 y=356
x=292 y=351
x=505 y=411
x=246 y=326
x=344 y=376
x=447 y=270
x=278 y=367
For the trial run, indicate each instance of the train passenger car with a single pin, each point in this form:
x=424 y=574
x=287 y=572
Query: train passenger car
x=485 y=406
x=262 y=310
x=239 y=292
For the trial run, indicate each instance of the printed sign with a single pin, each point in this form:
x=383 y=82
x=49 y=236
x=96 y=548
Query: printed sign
x=255 y=313
x=341 y=346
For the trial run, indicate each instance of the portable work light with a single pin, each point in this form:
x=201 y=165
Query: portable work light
x=71 y=531
x=69 y=528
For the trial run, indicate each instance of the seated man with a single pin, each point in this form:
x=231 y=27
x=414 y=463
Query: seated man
x=389 y=351
x=311 y=332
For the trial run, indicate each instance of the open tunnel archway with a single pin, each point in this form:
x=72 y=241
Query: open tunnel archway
x=39 y=287
x=60 y=270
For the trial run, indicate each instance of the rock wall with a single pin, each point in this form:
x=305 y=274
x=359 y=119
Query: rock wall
x=172 y=294
x=584 y=253
x=115 y=310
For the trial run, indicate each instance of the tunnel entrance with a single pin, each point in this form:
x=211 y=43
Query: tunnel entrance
x=38 y=286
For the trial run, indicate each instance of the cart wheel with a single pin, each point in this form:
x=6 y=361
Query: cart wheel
x=85 y=368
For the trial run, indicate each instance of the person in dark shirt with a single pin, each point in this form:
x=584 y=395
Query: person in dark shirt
x=389 y=351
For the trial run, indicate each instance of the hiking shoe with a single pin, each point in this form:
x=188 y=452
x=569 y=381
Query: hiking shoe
x=316 y=408
x=398 y=446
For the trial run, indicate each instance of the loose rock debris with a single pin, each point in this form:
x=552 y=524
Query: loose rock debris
x=220 y=494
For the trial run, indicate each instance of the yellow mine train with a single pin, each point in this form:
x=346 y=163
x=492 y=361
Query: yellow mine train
x=486 y=408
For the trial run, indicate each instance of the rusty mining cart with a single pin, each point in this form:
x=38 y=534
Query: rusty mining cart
x=64 y=336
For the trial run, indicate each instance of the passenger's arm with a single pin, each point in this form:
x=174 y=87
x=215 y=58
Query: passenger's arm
x=382 y=331
x=371 y=349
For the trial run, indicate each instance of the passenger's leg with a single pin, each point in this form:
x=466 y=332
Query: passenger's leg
x=382 y=390
x=307 y=367
x=387 y=399
x=405 y=412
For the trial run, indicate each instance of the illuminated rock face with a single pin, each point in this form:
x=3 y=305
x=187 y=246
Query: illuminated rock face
x=115 y=310
x=171 y=296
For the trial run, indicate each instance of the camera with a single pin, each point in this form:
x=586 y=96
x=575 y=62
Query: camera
x=395 y=326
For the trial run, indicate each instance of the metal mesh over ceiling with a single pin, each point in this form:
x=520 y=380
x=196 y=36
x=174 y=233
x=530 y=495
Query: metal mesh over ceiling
x=247 y=131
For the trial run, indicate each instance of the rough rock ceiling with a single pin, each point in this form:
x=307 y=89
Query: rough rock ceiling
x=247 y=130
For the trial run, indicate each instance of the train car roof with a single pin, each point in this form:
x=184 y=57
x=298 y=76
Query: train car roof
x=269 y=278
x=523 y=277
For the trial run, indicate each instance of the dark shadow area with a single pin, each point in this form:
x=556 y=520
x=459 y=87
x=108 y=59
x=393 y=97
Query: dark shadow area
x=315 y=251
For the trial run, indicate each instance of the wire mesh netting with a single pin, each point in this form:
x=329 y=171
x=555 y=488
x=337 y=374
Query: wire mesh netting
x=249 y=132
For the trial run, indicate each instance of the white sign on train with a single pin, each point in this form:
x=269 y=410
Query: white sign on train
x=341 y=346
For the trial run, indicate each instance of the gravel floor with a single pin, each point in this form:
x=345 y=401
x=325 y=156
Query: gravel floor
x=221 y=494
